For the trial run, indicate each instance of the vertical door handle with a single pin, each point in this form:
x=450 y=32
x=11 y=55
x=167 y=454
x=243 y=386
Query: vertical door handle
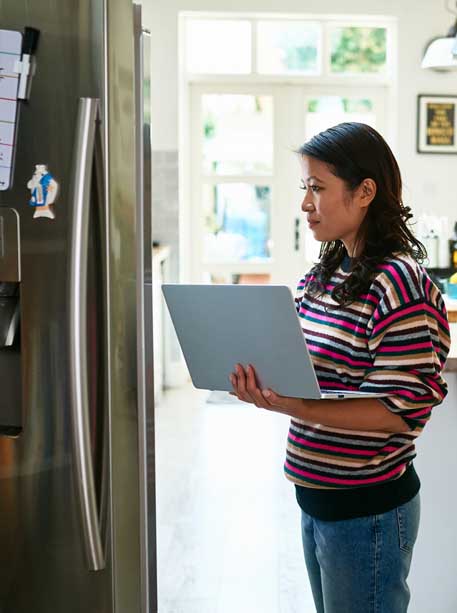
x=297 y=234
x=80 y=202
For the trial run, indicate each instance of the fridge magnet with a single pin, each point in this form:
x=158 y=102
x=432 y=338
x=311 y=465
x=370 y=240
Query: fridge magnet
x=44 y=190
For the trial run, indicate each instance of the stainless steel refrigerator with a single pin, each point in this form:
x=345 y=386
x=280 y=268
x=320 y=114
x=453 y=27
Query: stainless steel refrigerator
x=77 y=507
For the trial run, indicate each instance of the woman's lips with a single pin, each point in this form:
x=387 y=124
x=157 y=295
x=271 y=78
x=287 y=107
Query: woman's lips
x=311 y=224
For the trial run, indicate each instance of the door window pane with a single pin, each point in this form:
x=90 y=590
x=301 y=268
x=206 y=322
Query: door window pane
x=326 y=111
x=288 y=47
x=358 y=50
x=236 y=222
x=211 y=48
x=237 y=134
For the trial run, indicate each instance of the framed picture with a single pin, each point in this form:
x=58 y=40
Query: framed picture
x=436 y=124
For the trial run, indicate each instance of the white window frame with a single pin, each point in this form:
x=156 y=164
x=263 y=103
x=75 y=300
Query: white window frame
x=380 y=85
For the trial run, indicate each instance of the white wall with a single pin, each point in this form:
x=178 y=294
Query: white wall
x=428 y=177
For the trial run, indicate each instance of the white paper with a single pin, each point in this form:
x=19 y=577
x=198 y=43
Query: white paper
x=10 y=52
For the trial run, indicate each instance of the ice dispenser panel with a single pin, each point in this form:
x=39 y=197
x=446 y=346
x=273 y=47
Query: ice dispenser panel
x=10 y=350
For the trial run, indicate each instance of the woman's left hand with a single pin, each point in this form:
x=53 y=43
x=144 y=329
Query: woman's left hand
x=246 y=388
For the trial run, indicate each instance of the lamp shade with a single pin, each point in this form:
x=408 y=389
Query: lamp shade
x=442 y=54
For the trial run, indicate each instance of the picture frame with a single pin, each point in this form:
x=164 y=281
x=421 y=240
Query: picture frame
x=436 y=123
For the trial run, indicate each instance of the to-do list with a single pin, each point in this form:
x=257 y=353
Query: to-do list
x=10 y=53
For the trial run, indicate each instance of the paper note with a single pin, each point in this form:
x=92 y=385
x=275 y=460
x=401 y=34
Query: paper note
x=10 y=52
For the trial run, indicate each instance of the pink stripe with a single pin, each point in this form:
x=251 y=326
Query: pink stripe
x=418 y=413
x=338 y=386
x=407 y=394
x=430 y=380
x=340 y=323
x=432 y=383
x=412 y=309
x=361 y=452
x=345 y=481
x=399 y=280
x=427 y=345
x=332 y=354
x=370 y=296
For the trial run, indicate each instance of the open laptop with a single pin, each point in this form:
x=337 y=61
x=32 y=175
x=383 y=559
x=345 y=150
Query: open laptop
x=219 y=326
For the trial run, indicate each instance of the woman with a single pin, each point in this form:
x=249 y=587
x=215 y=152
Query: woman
x=373 y=321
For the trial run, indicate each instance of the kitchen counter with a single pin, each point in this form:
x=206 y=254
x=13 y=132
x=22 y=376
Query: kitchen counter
x=451 y=306
x=159 y=254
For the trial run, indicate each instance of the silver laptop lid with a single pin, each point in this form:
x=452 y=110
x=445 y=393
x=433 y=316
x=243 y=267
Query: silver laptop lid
x=220 y=325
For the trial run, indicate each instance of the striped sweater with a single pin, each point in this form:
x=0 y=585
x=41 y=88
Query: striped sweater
x=394 y=339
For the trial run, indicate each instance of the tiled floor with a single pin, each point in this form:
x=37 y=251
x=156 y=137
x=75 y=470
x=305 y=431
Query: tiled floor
x=228 y=523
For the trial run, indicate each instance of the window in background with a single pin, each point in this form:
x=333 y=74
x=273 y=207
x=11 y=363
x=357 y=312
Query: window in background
x=256 y=87
x=288 y=47
x=210 y=46
x=325 y=111
x=236 y=222
x=358 y=50
x=237 y=134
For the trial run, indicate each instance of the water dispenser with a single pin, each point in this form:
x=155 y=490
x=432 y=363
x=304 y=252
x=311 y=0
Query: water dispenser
x=10 y=346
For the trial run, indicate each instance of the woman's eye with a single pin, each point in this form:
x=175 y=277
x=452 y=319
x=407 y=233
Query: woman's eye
x=314 y=188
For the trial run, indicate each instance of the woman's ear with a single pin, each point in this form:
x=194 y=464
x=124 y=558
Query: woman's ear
x=366 y=192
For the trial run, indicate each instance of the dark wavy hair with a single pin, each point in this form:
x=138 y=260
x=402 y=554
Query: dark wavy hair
x=354 y=152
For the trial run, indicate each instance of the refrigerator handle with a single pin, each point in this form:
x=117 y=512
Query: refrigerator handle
x=80 y=202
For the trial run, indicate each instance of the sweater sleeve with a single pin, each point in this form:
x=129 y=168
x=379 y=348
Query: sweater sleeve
x=408 y=338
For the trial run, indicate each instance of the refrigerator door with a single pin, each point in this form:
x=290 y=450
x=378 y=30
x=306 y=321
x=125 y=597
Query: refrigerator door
x=144 y=315
x=85 y=50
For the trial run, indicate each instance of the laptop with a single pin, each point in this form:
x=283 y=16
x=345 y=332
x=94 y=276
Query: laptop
x=219 y=326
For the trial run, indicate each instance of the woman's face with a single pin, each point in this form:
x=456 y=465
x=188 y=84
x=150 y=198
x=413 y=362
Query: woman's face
x=332 y=211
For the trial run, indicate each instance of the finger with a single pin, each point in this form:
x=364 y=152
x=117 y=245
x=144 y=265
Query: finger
x=234 y=381
x=254 y=389
x=241 y=378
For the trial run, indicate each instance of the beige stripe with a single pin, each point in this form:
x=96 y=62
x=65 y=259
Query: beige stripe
x=384 y=359
x=366 y=433
x=323 y=328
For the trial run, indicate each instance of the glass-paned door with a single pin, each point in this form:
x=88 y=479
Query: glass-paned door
x=232 y=183
x=247 y=225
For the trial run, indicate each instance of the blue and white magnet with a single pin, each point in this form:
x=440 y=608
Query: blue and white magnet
x=44 y=189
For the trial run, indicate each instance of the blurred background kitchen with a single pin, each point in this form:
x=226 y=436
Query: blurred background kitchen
x=237 y=89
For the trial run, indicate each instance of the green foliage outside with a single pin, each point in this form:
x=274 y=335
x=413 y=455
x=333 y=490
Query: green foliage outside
x=349 y=105
x=209 y=127
x=358 y=50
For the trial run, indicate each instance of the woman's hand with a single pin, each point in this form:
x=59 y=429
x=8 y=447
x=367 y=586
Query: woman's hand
x=246 y=388
x=365 y=414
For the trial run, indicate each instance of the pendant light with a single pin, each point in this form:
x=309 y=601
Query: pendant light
x=441 y=52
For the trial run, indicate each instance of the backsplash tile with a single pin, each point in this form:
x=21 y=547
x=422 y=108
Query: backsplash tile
x=165 y=205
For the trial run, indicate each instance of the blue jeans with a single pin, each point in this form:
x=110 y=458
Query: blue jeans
x=361 y=565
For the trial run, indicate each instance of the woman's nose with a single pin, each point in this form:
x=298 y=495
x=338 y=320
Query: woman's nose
x=307 y=205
